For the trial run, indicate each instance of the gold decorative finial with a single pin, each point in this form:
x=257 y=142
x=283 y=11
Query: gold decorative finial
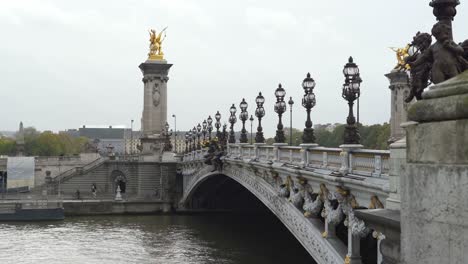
x=155 y=47
x=401 y=54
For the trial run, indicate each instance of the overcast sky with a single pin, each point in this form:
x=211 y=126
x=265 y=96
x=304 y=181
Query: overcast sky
x=69 y=63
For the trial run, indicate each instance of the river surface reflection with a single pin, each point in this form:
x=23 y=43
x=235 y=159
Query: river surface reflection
x=212 y=238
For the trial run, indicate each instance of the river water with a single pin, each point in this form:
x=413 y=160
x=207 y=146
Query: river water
x=212 y=238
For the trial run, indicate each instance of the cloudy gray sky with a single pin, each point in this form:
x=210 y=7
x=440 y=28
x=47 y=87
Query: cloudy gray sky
x=68 y=63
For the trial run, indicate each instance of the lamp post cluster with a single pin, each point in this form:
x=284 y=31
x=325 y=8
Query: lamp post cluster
x=350 y=92
x=194 y=139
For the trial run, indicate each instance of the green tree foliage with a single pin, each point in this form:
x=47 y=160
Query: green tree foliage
x=7 y=146
x=46 y=143
x=372 y=137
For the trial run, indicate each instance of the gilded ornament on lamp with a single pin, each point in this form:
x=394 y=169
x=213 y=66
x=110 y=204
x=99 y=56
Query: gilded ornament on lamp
x=155 y=48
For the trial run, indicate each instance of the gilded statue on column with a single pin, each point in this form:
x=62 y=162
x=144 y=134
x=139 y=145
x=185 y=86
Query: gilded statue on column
x=156 y=40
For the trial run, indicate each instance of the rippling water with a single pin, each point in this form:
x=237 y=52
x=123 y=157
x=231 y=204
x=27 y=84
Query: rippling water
x=214 y=238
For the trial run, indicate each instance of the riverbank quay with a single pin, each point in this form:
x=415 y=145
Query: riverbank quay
x=111 y=207
x=31 y=210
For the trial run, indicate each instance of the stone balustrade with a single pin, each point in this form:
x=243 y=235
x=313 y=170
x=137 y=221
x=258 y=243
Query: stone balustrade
x=362 y=162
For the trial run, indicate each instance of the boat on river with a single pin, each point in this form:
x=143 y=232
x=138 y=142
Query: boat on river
x=31 y=210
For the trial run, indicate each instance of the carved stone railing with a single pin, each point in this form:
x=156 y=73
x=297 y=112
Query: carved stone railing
x=363 y=162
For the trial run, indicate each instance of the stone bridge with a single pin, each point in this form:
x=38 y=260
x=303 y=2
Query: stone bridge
x=313 y=190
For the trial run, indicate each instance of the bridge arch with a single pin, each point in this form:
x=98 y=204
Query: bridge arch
x=307 y=231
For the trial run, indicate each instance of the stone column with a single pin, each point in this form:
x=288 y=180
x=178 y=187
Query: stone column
x=397 y=168
x=434 y=194
x=400 y=89
x=257 y=151
x=346 y=162
x=241 y=147
x=155 y=77
x=304 y=150
x=276 y=150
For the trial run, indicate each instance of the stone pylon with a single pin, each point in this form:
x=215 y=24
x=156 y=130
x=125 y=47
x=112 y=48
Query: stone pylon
x=400 y=89
x=155 y=77
x=434 y=211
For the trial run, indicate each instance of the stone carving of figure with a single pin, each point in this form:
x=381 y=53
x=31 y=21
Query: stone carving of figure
x=419 y=73
x=284 y=188
x=464 y=45
x=156 y=94
x=296 y=196
x=313 y=204
x=156 y=43
x=213 y=157
x=444 y=54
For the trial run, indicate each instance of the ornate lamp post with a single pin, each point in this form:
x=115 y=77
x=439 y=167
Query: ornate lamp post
x=167 y=135
x=290 y=102
x=232 y=120
x=210 y=127
x=259 y=113
x=244 y=115
x=308 y=102
x=224 y=135
x=218 y=124
x=205 y=124
x=198 y=132
x=445 y=11
x=251 y=128
x=194 y=138
x=350 y=93
x=186 y=142
x=189 y=137
x=280 y=108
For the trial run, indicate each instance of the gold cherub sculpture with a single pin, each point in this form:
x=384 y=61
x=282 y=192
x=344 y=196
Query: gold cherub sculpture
x=156 y=40
x=401 y=54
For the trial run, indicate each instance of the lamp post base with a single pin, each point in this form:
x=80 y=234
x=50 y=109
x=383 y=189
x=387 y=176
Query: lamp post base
x=351 y=135
x=279 y=138
x=308 y=136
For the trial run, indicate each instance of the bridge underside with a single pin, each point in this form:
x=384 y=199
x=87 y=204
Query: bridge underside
x=220 y=192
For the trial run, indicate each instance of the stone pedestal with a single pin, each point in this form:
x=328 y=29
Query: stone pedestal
x=154 y=106
x=400 y=89
x=434 y=194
